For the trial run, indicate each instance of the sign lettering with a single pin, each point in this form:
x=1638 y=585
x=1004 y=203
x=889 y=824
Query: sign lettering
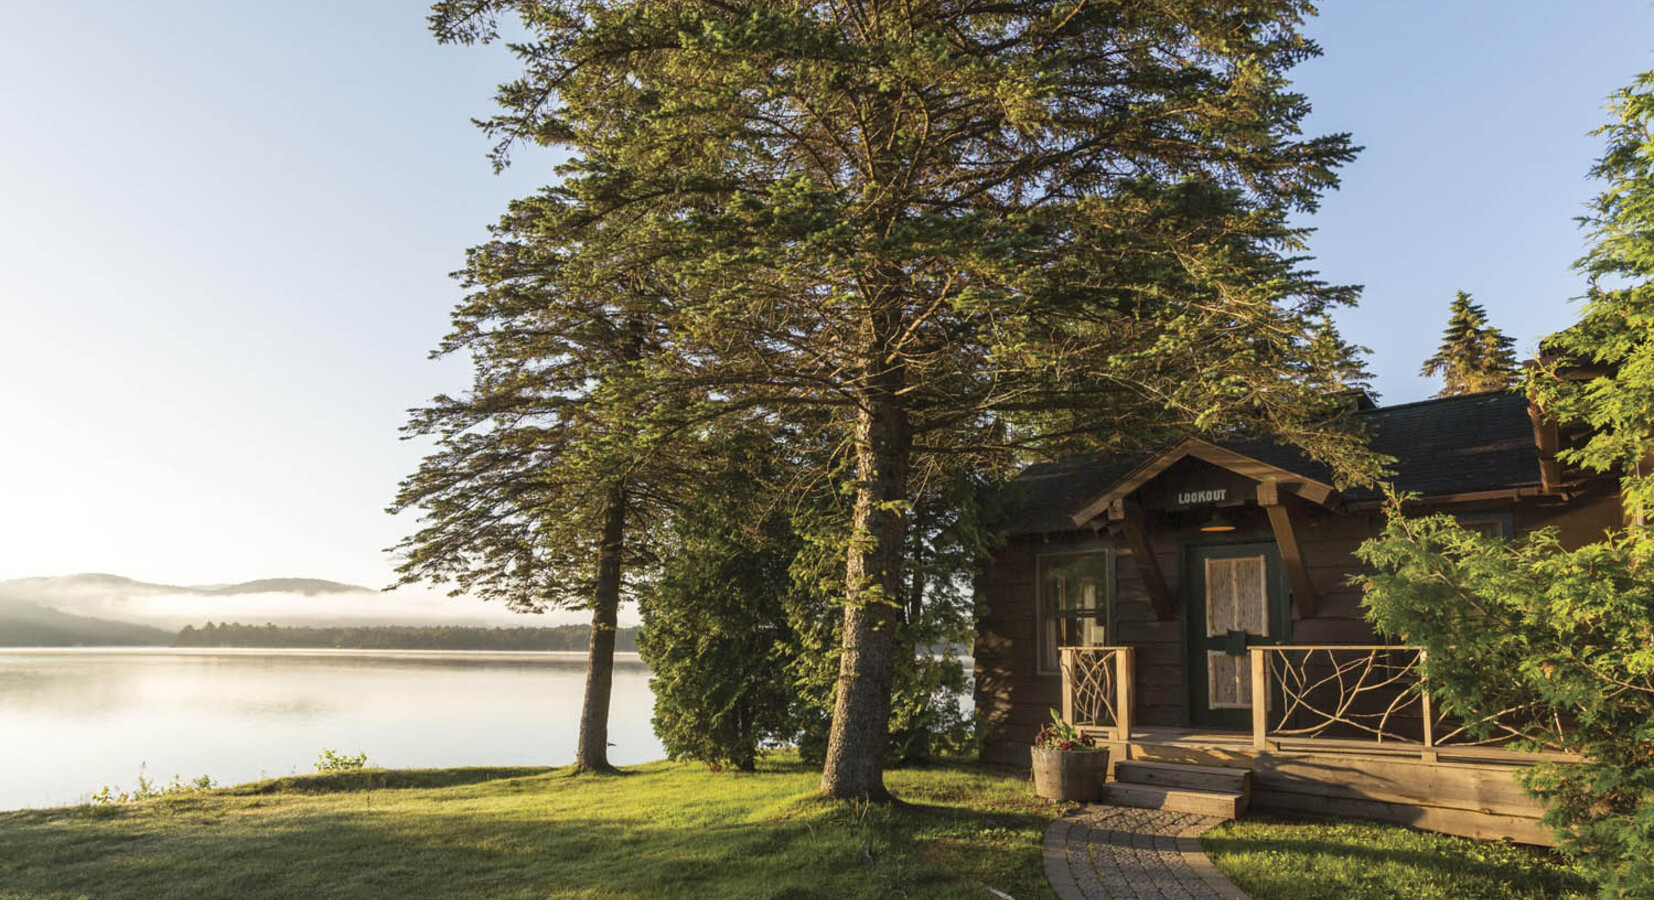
x=1217 y=495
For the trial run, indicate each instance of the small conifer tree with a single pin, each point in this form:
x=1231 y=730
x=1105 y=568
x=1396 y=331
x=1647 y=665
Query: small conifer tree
x=1474 y=356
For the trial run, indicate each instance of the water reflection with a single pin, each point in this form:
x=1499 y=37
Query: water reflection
x=73 y=720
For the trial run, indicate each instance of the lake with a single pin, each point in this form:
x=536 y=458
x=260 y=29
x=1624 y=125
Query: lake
x=74 y=720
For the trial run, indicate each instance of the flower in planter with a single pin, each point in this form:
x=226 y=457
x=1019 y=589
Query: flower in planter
x=1059 y=735
x=1061 y=773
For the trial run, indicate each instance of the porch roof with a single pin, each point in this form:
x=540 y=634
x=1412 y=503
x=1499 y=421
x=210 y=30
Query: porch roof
x=1454 y=445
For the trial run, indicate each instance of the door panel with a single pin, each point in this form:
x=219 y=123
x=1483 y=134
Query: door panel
x=1233 y=588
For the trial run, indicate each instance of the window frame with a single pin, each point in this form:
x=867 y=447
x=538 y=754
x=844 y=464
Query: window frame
x=1504 y=519
x=1104 y=613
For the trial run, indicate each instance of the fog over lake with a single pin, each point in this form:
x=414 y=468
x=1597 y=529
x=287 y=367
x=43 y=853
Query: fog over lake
x=74 y=720
x=283 y=601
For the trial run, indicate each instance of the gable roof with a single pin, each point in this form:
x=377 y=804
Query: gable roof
x=1454 y=445
x=1243 y=464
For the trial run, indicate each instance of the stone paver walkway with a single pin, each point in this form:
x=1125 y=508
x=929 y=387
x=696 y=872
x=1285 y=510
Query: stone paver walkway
x=1118 y=853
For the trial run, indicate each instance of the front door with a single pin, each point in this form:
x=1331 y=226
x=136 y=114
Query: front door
x=1236 y=596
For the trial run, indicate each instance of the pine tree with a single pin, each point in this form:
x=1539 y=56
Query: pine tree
x=951 y=231
x=1474 y=356
x=549 y=474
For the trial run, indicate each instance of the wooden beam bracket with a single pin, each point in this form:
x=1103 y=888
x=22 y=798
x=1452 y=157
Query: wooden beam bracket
x=1136 y=529
x=1547 y=441
x=1292 y=557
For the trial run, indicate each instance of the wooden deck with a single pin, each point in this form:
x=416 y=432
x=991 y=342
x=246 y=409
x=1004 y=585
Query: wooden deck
x=1469 y=791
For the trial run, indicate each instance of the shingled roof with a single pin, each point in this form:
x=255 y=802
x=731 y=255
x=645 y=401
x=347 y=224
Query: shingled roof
x=1455 y=445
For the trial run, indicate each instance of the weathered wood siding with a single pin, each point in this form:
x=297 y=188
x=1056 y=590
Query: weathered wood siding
x=1579 y=522
x=1012 y=700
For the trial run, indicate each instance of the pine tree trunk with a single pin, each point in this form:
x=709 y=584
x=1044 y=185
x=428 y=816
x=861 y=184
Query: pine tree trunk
x=592 y=755
x=861 y=717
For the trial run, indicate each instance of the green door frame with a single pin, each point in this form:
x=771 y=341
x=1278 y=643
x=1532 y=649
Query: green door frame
x=1196 y=643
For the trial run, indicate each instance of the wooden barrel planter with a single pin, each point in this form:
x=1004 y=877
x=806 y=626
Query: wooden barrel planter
x=1069 y=775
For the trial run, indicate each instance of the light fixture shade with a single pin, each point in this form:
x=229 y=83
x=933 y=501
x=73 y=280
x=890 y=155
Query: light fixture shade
x=1217 y=523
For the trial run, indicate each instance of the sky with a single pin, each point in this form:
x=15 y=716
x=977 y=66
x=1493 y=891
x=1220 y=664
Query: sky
x=226 y=231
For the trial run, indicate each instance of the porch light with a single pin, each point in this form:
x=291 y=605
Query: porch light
x=1218 y=522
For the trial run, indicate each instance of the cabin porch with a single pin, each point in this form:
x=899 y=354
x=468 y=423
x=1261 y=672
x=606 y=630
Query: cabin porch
x=1338 y=730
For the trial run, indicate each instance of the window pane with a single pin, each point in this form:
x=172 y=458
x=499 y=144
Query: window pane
x=1075 y=583
x=1073 y=598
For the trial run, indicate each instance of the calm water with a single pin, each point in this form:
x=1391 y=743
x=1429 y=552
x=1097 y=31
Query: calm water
x=74 y=720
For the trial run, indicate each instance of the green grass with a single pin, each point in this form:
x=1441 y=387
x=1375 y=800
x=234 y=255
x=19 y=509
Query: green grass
x=1276 y=860
x=663 y=830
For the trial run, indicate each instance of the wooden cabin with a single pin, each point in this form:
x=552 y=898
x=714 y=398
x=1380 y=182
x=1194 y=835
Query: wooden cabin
x=1195 y=605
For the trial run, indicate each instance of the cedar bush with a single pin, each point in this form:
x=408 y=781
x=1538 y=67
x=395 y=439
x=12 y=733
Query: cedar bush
x=715 y=629
x=1565 y=635
x=1563 y=643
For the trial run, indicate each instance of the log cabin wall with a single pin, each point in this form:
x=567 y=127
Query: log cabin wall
x=1013 y=699
x=1478 y=457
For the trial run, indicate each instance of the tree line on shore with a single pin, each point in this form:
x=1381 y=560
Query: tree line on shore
x=397 y=637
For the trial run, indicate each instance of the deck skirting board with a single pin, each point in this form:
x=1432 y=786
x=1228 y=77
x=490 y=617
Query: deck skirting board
x=1479 y=799
x=1463 y=822
x=1476 y=788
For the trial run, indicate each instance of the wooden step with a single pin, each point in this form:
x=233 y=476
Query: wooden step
x=1222 y=804
x=1184 y=775
x=1217 y=757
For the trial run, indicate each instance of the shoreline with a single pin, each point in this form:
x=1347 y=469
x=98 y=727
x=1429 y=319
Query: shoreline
x=156 y=650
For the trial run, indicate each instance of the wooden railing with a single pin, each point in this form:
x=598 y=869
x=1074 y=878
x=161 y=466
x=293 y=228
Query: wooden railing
x=1097 y=688
x=1367 y=693
x=1343 y=695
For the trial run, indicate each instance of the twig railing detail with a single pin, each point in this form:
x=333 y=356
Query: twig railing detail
x=1097 y=688
x=1359 y=692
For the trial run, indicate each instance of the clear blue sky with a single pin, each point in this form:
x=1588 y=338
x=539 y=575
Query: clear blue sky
x=226 y=228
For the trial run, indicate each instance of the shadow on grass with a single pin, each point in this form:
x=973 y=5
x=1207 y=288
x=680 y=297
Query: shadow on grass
x=1435 y=858
x=382 y=779
x=931 y=813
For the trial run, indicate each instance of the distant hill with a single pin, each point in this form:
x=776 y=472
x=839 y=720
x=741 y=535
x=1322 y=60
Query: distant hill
x=26 y=589
x=28 y=625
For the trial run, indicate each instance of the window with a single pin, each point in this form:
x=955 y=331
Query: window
x=1074 y=593
x=1493 y=525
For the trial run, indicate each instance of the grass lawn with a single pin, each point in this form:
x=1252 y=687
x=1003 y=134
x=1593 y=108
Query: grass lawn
x=663 y=830
x=1278 y=860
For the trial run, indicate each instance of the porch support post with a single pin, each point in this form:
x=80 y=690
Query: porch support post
x=1280 y=522
x=1260 y=698
x=1136 y=529
x=1428 y=709
x=1125 y=675
x=1066 y=666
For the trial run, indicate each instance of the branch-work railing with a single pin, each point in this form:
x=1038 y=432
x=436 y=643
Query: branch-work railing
x=1097 y=688
x=1361 y=692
